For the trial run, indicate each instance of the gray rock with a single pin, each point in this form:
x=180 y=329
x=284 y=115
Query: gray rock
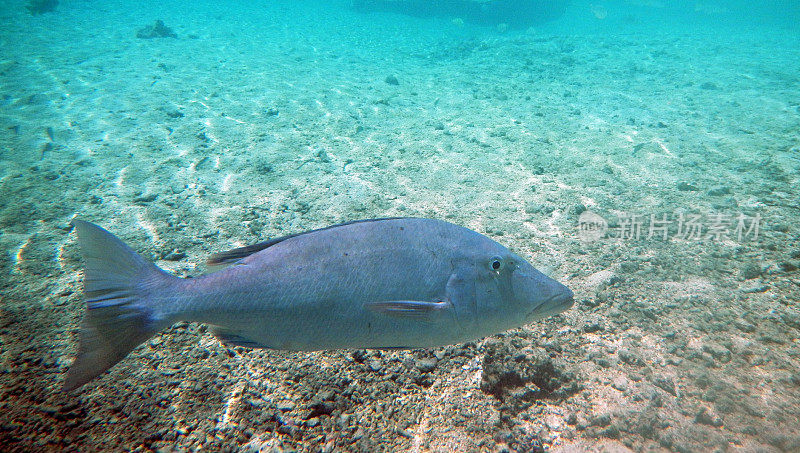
x=718 y=352
x=666 y=384
x=706 y=416
x=630 y=358
x=426 y=365
x=620 y=384
x=750 y=271
x=592 y=326
x=285 y=405
x=175 y=255
x=719 y=191
x=601 y=420
x=756 y=289
x=744 y=326
x=157 y=30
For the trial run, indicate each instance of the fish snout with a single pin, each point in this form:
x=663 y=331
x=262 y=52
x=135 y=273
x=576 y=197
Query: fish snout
x=549 y=298
x=564 y=298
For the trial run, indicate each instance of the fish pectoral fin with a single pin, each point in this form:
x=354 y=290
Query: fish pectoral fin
x=409 y=308
x=233 y=338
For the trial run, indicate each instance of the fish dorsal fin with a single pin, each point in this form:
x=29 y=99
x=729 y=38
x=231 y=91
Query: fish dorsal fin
x=232 y=256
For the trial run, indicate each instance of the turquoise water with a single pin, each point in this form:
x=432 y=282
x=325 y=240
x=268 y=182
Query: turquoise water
x=644 y=153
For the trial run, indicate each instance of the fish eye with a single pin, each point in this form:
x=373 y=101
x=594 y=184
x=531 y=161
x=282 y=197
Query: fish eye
x=496 y=263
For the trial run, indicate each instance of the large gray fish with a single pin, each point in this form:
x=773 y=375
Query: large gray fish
x=384 y=283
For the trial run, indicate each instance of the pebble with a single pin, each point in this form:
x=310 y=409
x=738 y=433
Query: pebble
x=603 y=362
x=744 y=326
x=719 y=191
x=666 y=384
x=750 y=271
x=601 y=420
x=285 y=405
x=620 y=383
x=756 y=289
x=592 y=326
x=145 y=199
x=426 y=365
x=718 y=352
x=706 y=416
x=554 y=422
x=322 y=408
x=175 y=255
x=629 y=357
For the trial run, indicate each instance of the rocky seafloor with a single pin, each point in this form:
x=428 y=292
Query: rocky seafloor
x=673 y=345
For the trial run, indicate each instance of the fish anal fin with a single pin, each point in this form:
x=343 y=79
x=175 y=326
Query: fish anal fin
x=234 y=338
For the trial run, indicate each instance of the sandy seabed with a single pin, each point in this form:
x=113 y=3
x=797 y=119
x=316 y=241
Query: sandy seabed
x=259 y=122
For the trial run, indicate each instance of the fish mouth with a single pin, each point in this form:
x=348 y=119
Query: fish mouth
x=555 y=304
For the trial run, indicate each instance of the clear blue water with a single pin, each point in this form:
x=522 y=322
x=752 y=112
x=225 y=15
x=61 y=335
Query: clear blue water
x=260 y=119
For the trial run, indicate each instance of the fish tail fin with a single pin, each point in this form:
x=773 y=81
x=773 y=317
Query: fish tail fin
x=118 y=288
